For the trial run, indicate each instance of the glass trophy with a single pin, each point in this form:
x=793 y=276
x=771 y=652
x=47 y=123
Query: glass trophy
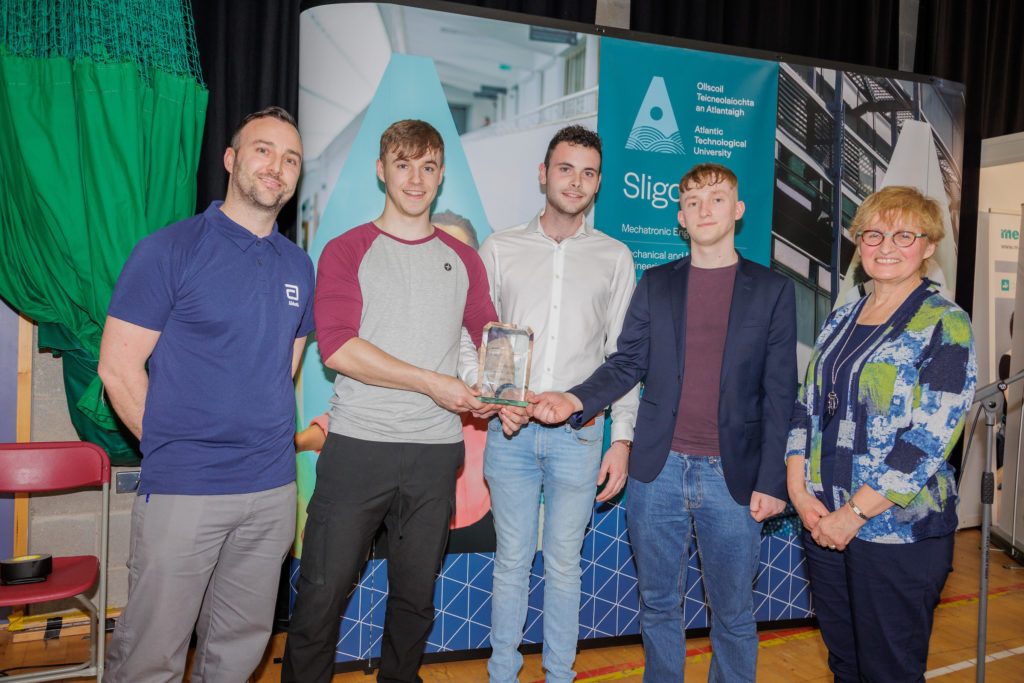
x=505 y=357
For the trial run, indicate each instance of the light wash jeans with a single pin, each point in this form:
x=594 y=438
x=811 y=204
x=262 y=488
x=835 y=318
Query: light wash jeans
x=690 y=493
x=564 y=462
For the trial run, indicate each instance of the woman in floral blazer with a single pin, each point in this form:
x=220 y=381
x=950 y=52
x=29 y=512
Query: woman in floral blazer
x=883 y=402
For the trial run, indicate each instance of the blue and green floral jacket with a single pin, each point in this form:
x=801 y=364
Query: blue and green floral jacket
x=909 y=394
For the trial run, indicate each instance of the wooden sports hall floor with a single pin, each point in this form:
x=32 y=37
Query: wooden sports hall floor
x=785 y=656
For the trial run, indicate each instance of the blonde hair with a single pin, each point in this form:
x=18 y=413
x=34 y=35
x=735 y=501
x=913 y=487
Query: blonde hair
x=898 y=204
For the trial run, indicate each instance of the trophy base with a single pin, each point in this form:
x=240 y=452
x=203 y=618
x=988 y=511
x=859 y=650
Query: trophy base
x=503 y=401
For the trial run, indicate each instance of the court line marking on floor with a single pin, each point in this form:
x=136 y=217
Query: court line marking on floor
x=620 y=671
x=971 y=663
x=774 y=638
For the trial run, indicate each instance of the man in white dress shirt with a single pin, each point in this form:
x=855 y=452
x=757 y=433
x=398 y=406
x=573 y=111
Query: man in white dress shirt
x=571 y=284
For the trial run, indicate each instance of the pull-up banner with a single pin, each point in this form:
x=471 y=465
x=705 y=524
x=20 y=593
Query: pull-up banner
x=807 y=142
x=661 y=111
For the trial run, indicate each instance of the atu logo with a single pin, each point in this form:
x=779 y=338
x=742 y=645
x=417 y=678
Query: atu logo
x=655 y=128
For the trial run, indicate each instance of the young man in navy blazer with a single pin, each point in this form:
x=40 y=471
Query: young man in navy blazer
x=715 y=337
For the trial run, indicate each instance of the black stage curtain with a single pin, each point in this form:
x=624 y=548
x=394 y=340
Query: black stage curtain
x=855 y=31
x=249 y=53
x=977 y=43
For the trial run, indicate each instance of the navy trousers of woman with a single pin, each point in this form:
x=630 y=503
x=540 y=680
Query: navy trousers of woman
x=875 y=603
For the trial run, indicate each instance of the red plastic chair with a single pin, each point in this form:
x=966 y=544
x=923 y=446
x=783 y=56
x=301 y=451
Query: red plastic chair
x=40 y=467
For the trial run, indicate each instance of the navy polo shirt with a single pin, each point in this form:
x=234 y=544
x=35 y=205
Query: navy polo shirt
x=220 y=409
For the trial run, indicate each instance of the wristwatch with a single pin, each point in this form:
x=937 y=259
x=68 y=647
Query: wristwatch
x=627 y=442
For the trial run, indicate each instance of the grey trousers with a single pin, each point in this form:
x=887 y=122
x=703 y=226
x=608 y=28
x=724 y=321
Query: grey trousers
x=208 y=562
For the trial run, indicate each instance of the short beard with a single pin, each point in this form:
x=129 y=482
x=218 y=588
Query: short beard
x=252 y=193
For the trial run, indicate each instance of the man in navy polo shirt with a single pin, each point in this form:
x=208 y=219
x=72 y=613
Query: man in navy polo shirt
x=219 y=305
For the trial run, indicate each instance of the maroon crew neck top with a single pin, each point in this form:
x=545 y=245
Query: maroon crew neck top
x=708 y=299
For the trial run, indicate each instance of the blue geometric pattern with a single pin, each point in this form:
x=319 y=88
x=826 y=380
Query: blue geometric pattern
x=609 y=604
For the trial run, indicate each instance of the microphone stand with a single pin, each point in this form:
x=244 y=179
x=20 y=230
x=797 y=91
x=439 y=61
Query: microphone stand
x=991 y=398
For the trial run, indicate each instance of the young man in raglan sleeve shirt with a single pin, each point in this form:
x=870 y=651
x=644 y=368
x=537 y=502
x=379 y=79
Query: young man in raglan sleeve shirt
x=392 y=299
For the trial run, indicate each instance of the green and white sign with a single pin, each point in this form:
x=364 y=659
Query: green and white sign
x=663 y=110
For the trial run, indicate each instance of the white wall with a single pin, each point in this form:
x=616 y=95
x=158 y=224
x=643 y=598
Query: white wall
x=1001 y=192
x=591 y=72
x=554 y=80
x=530 y=96
x=1001 y=187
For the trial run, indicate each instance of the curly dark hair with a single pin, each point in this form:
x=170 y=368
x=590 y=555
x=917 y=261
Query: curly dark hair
x=574 y=135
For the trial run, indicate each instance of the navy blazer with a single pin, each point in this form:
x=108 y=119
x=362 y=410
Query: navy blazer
x=758 y=383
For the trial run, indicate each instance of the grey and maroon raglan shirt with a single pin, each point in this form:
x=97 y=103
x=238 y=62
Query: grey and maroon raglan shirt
x=410 y=299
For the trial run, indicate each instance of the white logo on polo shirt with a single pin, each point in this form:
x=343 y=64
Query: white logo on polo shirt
x=291 y=292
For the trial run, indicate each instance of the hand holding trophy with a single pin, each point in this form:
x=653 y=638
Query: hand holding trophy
x=505 y=357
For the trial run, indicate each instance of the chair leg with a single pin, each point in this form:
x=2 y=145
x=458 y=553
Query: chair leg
x=96 y=633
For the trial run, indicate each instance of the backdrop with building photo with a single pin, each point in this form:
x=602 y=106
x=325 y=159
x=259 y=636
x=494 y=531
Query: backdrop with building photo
x=498 y=90
x=856 y=133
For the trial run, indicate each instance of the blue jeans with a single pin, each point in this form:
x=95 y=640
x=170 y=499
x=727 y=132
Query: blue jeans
x=690 y=494
x=564 y=462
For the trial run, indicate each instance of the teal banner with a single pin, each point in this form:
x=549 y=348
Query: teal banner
x=663 y=110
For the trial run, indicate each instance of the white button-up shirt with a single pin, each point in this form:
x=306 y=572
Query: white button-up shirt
x=573 y=294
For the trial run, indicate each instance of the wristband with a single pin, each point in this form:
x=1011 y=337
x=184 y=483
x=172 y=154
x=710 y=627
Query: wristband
x=860 y=513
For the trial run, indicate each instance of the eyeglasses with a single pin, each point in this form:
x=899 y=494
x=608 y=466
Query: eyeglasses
x=903 y=238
